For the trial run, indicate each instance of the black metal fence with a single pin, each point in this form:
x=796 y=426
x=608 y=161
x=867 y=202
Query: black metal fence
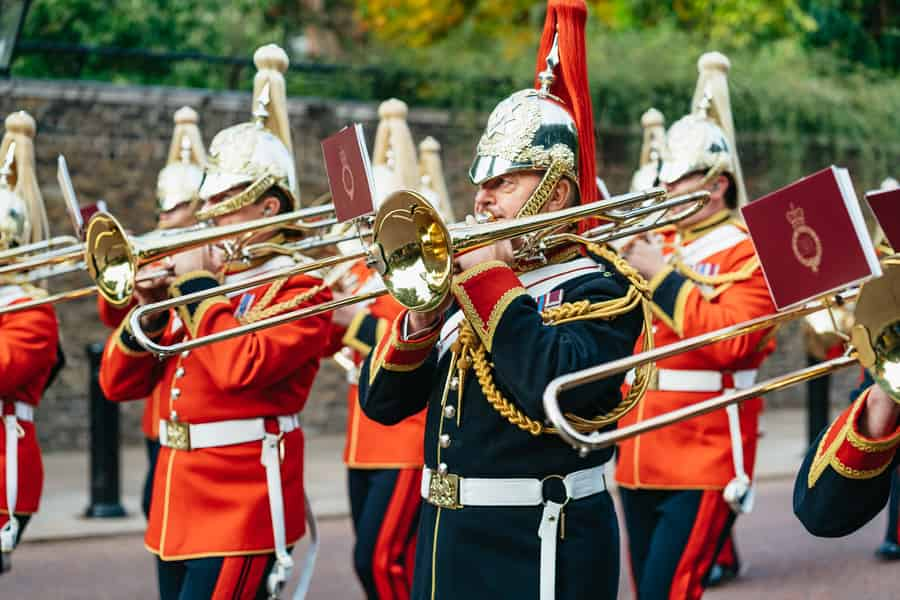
x=37 y=58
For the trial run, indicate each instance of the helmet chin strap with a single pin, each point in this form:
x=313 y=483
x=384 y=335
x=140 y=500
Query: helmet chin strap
x=246 y=197
x=544 y=190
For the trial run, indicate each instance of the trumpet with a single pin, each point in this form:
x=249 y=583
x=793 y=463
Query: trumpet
x=875 y=344
x=412 y=249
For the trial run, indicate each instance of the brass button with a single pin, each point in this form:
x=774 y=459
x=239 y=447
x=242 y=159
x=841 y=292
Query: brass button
x=445 y=440
x=442 y=468
x=454 y=383
x=175 y=393
x=185 y=354
x=179 y=372
x=449 y=411
x=173 y=416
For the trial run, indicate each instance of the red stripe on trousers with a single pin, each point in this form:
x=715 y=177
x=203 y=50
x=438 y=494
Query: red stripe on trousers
x=240 y=577
x=699 y=552
x=392 y=564
x=726 y=556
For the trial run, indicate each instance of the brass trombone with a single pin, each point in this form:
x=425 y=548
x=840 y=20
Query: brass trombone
x=875 y=343
x=19 y=253
x=70 y=258
x=114 y=257
x=411 y=248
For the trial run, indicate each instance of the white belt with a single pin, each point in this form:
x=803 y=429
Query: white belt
x=24 y=412
x=685 y=380
x=185 y=436
x=12 y=431
x=739 y=491
x=453 y=492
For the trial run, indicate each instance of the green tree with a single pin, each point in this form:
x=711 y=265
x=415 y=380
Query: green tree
x=202 y=26
x=865 y=31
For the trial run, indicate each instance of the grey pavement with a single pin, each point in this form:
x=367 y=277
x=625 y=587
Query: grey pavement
x=65 y=495
x=783 y=563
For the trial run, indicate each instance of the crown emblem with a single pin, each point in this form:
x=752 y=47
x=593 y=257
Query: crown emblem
x=805 y=242
x=794 y=215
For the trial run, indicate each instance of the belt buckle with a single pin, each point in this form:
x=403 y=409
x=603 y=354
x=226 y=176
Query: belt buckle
x=654 y=379
x=443 y=490
x=178 y=435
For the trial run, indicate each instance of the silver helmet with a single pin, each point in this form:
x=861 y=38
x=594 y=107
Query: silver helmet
x=257 y=153
x=179 y=181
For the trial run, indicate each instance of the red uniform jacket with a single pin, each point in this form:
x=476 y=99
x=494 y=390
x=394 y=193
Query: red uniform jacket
x=369 y=444
x=112 y=317
x=214 y=501
x=697 y=453
x=28 y=341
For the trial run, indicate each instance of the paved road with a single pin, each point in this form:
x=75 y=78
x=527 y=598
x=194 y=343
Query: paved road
x=785 y=563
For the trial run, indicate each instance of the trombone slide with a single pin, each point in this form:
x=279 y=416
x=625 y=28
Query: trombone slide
x=412 y=249
x=611 y=438
x=586 y=442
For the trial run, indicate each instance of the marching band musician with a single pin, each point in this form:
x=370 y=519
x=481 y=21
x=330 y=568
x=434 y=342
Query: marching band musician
x=176 y=193
x=653 y=125
x=228 y=493
x=683 y=486
x=510 y=510
x=29 y=338
x=845 y=479
x=384 y=464
x=889 y=549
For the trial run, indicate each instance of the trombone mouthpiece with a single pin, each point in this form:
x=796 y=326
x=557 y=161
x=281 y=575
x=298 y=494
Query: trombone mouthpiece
x=480 y=218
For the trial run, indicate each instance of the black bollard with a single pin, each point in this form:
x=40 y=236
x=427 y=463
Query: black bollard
x=817 y=399
x=104 y=445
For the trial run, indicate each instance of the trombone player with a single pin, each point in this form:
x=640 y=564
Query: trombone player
x=384 y=464
x=228 y=491
x=845 y=479
x=683 y=486
x=176 y=193
x=29 y=338
x=502 y=496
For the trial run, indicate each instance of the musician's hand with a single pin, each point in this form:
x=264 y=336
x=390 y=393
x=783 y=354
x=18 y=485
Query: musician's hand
x=880 y=415
x=646 y=256
x=502 y=251
x=420 y=321
x=344 y=316
x=205 y=258
x=152 y=284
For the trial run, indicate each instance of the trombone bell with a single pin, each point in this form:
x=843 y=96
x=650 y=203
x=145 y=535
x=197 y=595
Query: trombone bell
x=413 y=251
x=876 y=332
x=110 y=259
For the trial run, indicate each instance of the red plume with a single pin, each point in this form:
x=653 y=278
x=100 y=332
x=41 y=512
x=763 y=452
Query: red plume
x=568 y=18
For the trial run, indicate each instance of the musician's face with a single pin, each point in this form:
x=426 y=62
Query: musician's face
x=180 y=216
x=503 y=196
x=263 y=207
x=693 y=182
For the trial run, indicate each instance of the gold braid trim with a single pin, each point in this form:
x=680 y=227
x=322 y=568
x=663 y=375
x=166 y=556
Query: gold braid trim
x=472 y=353
x=469 y=351
x=585 y=309
x=742 y=274
x=264 y=311
x=622 y=266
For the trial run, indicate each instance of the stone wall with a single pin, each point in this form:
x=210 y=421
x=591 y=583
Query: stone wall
x=115 y=139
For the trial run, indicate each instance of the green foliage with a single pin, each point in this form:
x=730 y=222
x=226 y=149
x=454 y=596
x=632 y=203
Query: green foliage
x=863 y=31
x=799 y=79
x=205 y=26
